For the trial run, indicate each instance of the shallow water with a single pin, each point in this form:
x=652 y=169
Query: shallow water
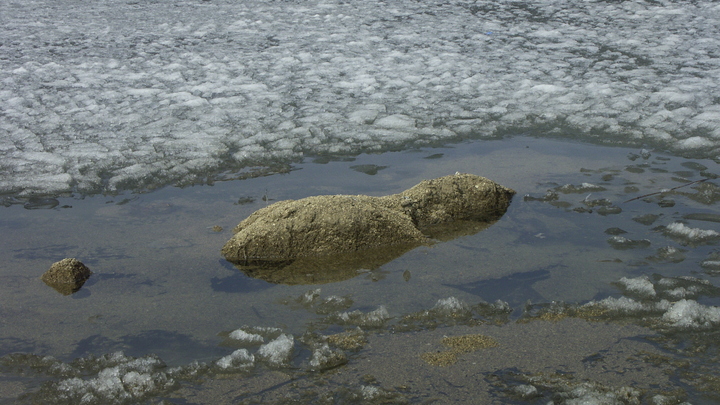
x=161 y=286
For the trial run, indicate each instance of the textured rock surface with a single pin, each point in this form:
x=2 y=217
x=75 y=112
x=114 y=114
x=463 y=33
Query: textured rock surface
x=342 y=233
x=66 y=276
x=453 y=198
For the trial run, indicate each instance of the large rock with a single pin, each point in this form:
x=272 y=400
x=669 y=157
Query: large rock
x=66 y=276
x=326 y=238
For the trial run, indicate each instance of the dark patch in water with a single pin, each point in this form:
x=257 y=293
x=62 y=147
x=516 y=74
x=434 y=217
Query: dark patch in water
x=102 y=277
x=107 y=253
x=83 y=293
x=15 y=345
x=48 y=252
x=703 y=216
x=38 y=203
x=245 y=200
x=126 y=200
x=368 y=169
x=96 y=345
x=174 y=348
x=59 y=251
x=434 y=156
x=515 y=289
x=238 y=282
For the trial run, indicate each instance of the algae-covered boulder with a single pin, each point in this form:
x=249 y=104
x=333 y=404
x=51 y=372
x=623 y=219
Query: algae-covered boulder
x=328 y=238
x=66 y=276
x=319 y=226
x=454 y=198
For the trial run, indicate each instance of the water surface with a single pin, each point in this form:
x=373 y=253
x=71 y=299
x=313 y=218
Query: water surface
x=160 y=285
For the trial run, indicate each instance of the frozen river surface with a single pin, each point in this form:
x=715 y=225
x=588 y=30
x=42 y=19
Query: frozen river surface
x=121 y=94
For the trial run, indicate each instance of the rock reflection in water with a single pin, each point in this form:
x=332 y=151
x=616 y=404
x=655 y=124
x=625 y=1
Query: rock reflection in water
x=334 y=268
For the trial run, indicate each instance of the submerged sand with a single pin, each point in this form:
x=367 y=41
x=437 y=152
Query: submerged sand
x=605 y=353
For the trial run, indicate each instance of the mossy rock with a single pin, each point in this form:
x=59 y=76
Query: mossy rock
x=66 y=276
x=455 y=198
x=328 y=238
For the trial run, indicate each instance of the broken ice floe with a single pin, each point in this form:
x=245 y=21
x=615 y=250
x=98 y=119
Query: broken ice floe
x=712 y=263
x=689 y=235
x=582 y=188
x=311 y=300
x=691 y=314
x=669 y=254
x=372 y=319
x=279 y=351
x=242 y=336
x=324 y=357
x=247 y=336
x=589 y=204
x=453 y=311
x=641 y=286
x=666 y=303
x=118 y=379
x=238 y=360
x=556 y=388
x=622 y=243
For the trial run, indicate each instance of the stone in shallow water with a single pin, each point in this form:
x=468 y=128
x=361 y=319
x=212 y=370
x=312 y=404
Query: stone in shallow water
x=328 y=238
x=66 y=276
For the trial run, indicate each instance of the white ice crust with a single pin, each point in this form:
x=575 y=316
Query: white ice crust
x=278 y=351
x=243 y=336
x=639 y=285
x=103 y=96
x=238 y=359
x=692 y=234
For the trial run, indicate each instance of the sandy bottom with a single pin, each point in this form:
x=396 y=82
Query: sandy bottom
x=161 y=286
x=603 y=353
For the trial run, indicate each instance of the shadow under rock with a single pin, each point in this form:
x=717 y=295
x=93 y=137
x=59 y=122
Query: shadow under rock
x=238 y=282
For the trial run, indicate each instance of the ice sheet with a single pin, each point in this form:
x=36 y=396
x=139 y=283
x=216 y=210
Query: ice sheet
x=104 y=96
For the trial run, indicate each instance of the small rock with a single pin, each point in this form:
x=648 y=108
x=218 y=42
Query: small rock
x=66 y=276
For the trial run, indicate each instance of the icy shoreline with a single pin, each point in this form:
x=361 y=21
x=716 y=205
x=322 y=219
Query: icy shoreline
x=115 y=95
